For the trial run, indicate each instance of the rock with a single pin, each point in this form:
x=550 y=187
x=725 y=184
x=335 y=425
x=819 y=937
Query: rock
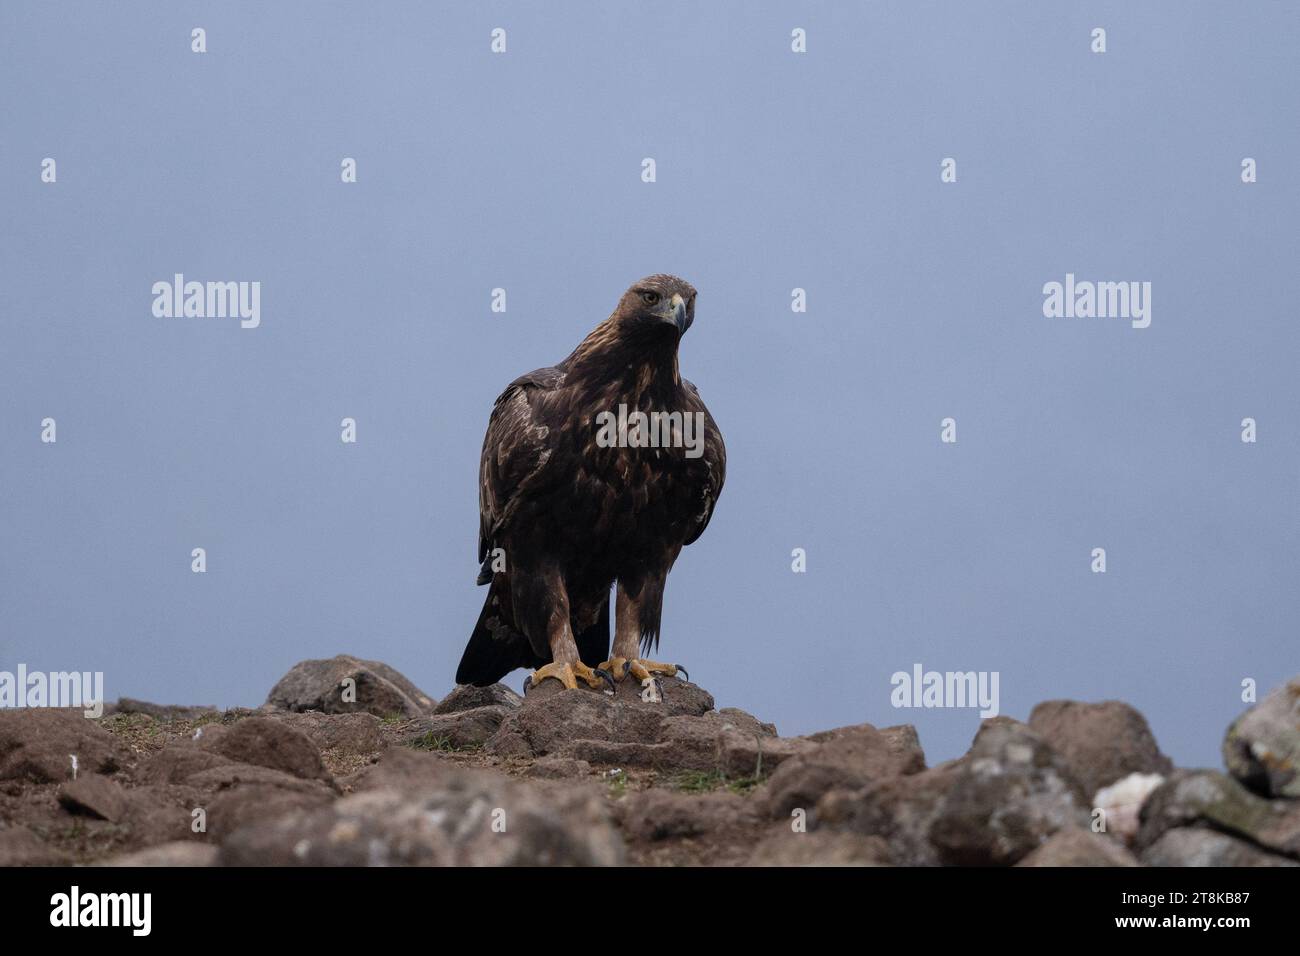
x=660 y=814
x=470 y=819
x=94 y=795
x=681 y=733
x=681 y=698
x=905 y=744
x=401 y=768
x=1100 y=742
x=1197 y=846
x=42 y=744
x=1013 y=793
x=784 y=847
x=175 y=853
x=19 y=846
x=707 y=744
x=747 y=722
x=318 y=685
x=358 y=733
x=177 y=762
x=457 y=730
x=737 y=748
x=1209 y=798
x=160 y=813
x=469 y=697
x=1121 y=803
x=265 y=742
x=846 y=758
x=549 y=721
x=238 y=795
x=1262 y=747
x=1072 y=846
x=128 y=705
x=901 y=810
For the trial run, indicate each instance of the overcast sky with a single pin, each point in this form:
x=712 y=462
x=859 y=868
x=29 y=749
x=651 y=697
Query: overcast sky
x=775 y=171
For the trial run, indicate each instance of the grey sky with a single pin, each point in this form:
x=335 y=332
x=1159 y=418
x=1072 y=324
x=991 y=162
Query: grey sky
x=775 y=171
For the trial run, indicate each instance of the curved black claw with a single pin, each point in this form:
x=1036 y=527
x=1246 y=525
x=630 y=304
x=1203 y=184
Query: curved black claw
x=607 y=677
x=683 y=671
x=528 y=682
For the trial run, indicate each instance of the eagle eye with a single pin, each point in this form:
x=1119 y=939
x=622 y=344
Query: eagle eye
x=650 y=298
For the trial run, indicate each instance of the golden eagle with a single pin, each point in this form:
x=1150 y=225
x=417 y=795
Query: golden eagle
x=596 y=471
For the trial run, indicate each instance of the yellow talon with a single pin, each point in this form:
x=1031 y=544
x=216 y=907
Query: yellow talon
x=621 y=667
x=568 y=673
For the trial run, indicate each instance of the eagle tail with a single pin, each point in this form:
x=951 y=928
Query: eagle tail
x=495 y=648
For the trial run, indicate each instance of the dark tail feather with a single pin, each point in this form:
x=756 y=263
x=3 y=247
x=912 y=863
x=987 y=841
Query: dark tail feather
x=494 y=649
x=593 y=643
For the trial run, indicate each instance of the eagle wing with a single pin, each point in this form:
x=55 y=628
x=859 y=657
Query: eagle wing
x=515 y=451
x=715 y=461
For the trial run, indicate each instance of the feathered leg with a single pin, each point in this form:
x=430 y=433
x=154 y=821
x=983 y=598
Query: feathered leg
x=633 y=628
x=566 y=665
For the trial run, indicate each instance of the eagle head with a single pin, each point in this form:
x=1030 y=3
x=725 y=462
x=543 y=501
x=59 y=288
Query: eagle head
x=657 y=305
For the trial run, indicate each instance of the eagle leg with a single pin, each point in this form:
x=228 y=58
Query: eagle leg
x=568 y=674
x=629 y=630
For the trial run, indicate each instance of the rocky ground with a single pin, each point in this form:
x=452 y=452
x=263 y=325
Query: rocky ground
x=348 y=763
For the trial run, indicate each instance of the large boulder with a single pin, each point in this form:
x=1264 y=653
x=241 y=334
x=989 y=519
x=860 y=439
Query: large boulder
x=264 y=742
x=679 y=697
x=50 y=745
x=847 y=758
x=550 y=721
x=177 y=762
x=454 y=730
x=1211 y=799
x=1262 y=747
x=1100 y=742
x=95 y=795
x=1198 y=846
x=328 y=686
x=1012 y=794
x=457 y=817
x=236 y=795
x=358 y=733
x=469 y=697
x=681 y=733
x=901 y=810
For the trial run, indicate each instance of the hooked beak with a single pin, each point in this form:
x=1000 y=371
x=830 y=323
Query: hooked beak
x=675 y=312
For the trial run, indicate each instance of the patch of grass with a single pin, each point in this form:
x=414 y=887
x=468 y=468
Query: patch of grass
x=743 y=785
x=131 y=724
x=617 y=783
x=697 y=781
x=440 y=743
x=707 y=781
